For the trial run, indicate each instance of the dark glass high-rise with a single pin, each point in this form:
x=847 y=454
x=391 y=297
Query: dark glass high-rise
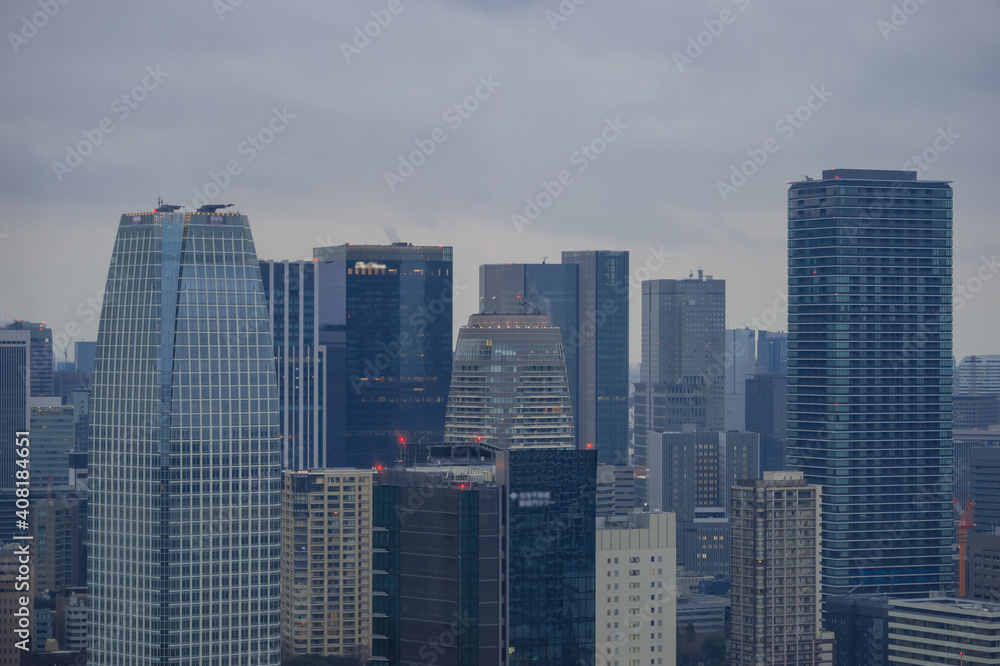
x=869 y=374
x=386 y=321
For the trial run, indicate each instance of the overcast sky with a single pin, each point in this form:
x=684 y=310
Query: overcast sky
x=108 y=105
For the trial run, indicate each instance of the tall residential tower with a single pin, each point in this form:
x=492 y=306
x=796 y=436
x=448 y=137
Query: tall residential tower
x=869 y=374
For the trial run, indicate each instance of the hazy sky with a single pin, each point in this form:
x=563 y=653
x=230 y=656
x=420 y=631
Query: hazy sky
x=108 y=105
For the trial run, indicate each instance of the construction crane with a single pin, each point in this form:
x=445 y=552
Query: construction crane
x=965 y=521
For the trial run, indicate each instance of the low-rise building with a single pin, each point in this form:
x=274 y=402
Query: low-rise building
x=943 y=631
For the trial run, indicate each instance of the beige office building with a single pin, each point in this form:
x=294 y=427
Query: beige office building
x=636 y=590
x=326 y=525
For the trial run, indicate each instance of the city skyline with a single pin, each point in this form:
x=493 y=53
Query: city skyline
x=343 y=124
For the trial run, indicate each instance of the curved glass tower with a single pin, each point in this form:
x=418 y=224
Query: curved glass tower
x=185 y=457
x=508 y=384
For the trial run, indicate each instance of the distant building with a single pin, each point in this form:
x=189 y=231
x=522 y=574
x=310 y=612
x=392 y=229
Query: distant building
x=978 y=375
x=53 y=438
x=615 y=490
x=603 y=352
x=691 y=474
x=15 y=394
x=292 y=289
x=55 y=528
x=983 y=566
x=984 y=467
x=326 y=562
x=682 y=376
x=509 y=386
x=707 y=613
x=703 y=542
x=84 y=354
x=776 y=583
x=586 y=298
x=10 y=606
x=42 y=361
x=740 y=361
x=71 y=619
x=385 y=318
x=554 y=289
x=772 y=353
x=976 y=412
x=766 y=397
x=636 y=588
x=943 y=631
x=860 y=624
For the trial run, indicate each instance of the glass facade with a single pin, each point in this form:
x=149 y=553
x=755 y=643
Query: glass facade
x=185 y=457
x=386 y=322
x=601 y=344
x=869 y=375
x=509 y=384
x=551 y=550
x=41 y=356
x=551 y=288
x=290 y=289
x=437 y=566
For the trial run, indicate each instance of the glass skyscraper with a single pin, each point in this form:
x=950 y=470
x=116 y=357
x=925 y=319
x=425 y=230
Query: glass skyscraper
x=869 y=374
x=586 y=297
x=551 y=555
x=682 y=378
x=15 y=392
x=185 y=459
x=290 y=288
x=385 y=316
x=551 y=288
x=509 y=384
x=602 y=351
